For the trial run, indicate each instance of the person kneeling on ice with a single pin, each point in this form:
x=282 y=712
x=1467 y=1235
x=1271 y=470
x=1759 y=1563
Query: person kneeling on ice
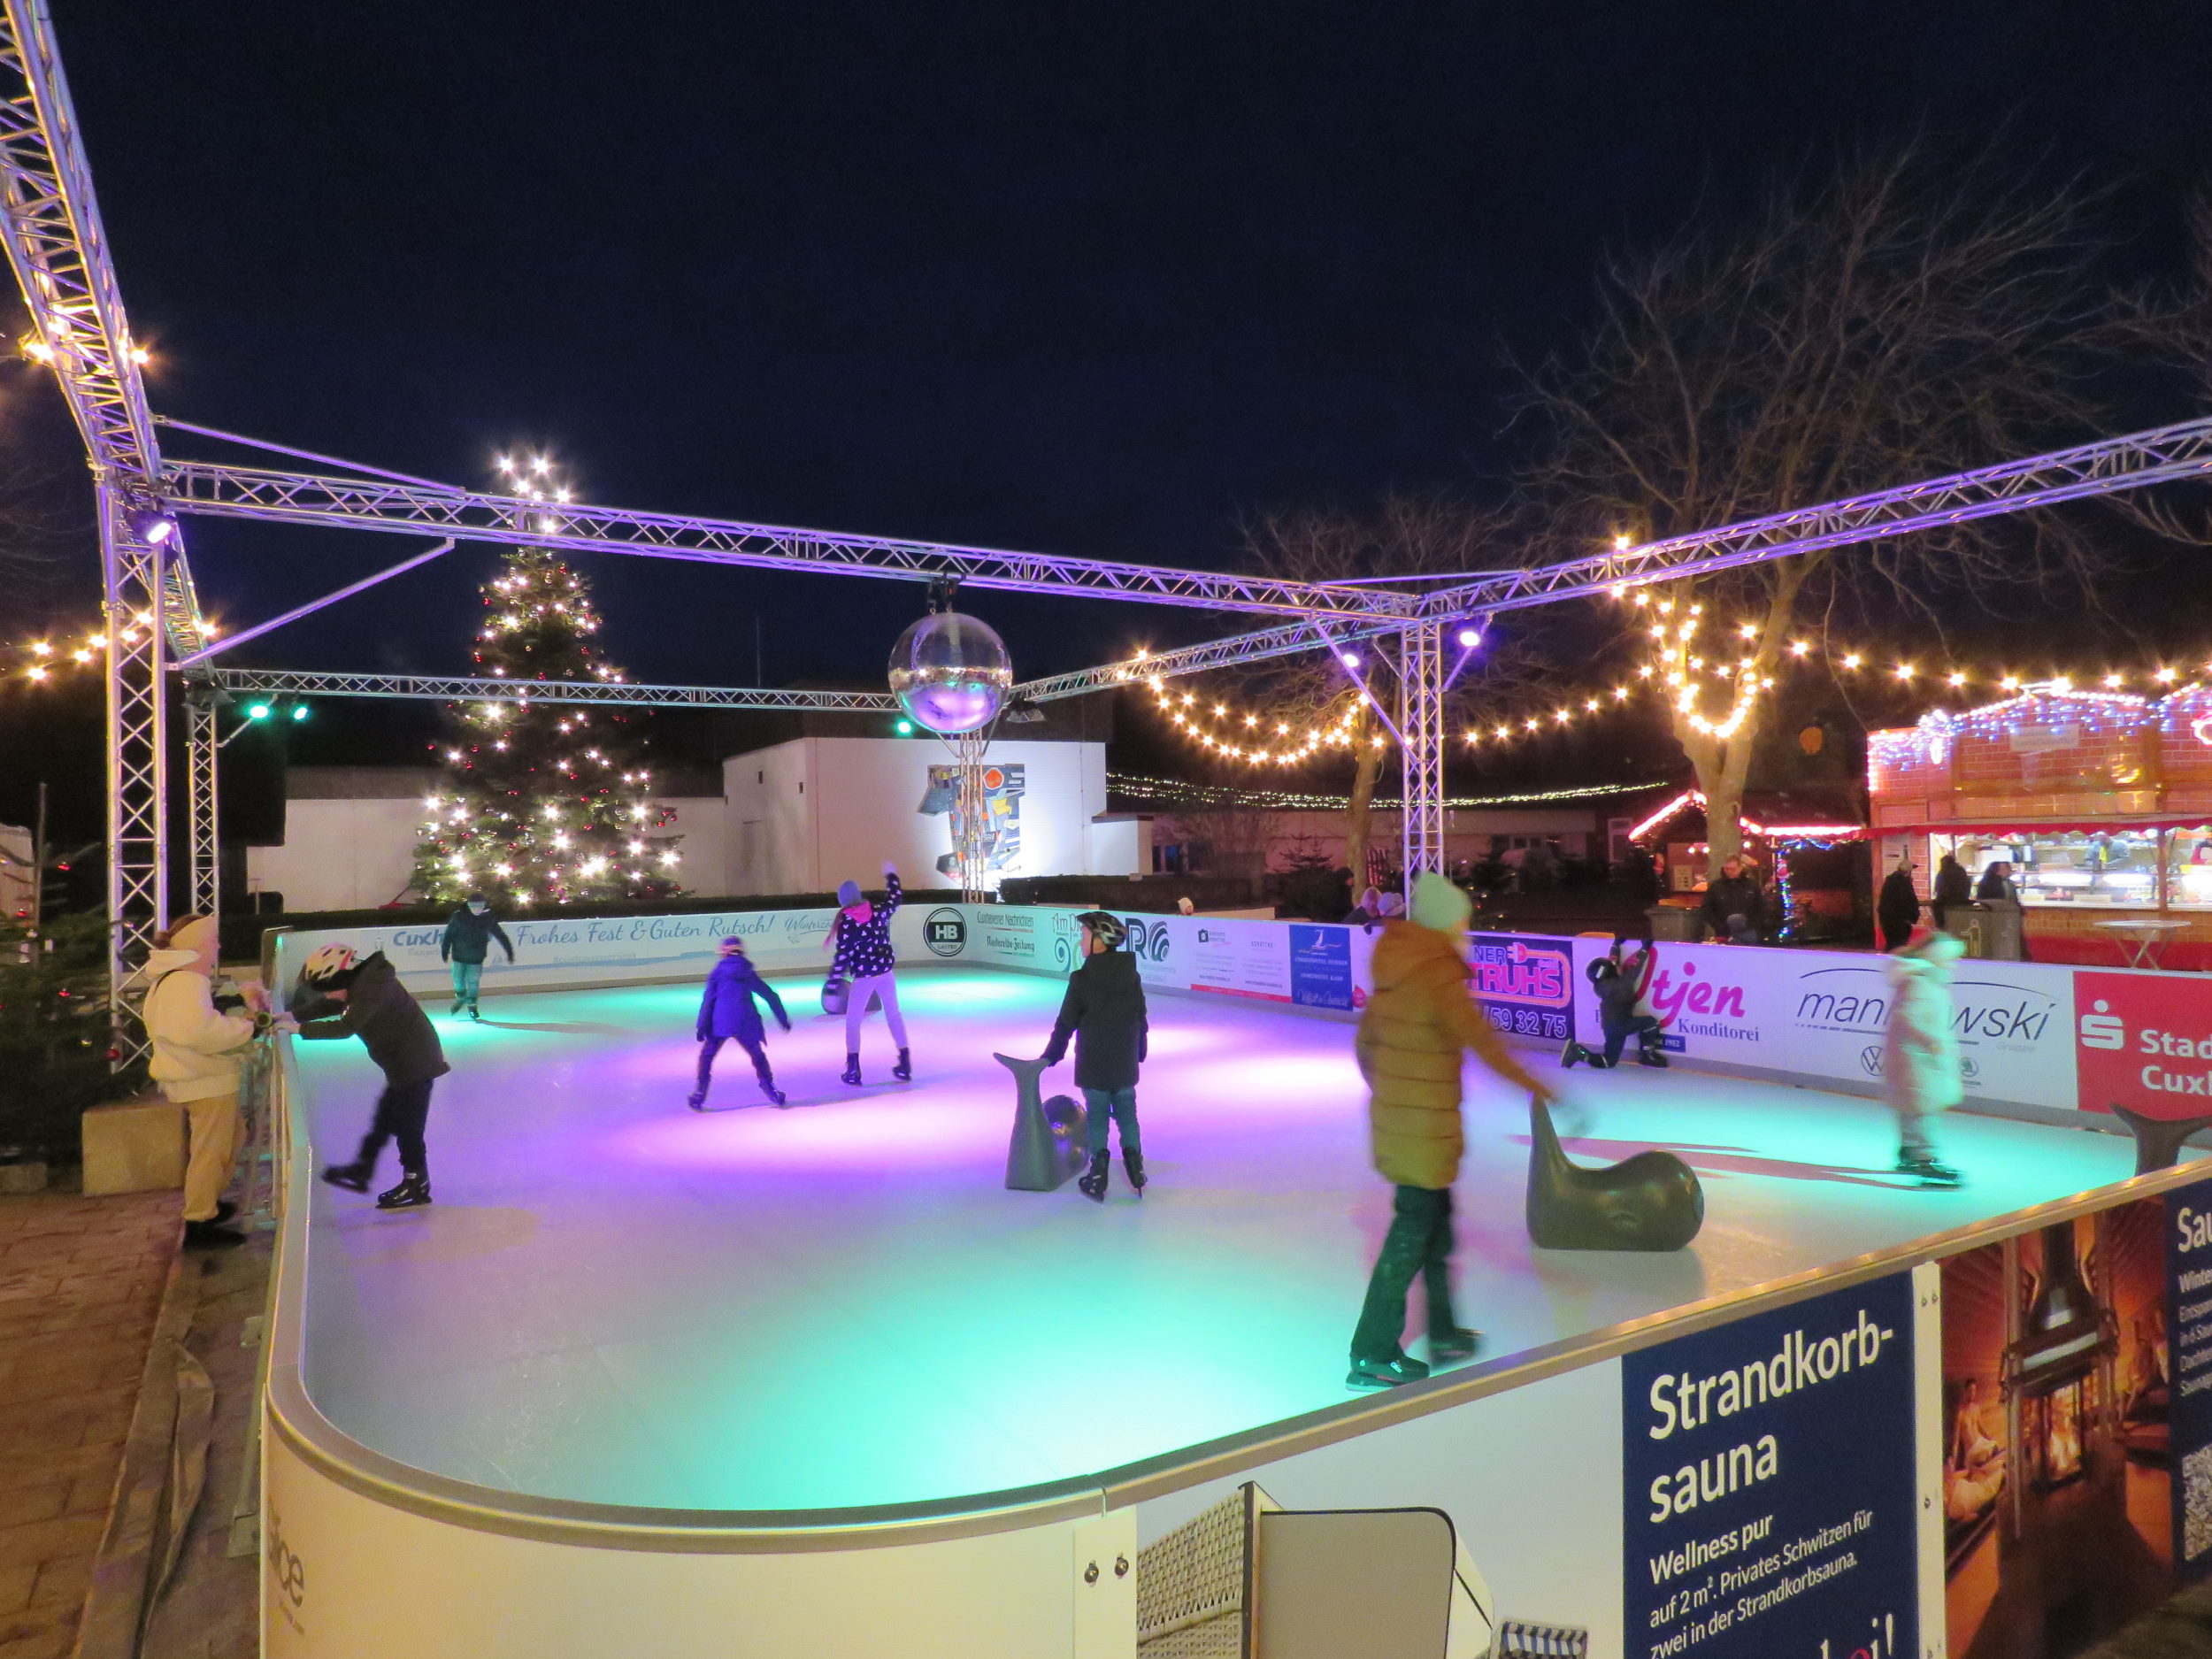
x=861 y=937
x=375 y=1007
x=1104 y=1011
x=1921 y=1074
x=726 y=1013
x=1619 y=984
x=1417 y=1025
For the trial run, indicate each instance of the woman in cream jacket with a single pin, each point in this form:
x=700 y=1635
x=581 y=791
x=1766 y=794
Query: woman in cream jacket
x=199 y=1058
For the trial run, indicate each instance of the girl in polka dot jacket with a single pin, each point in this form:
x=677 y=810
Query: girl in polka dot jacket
x=861 y=937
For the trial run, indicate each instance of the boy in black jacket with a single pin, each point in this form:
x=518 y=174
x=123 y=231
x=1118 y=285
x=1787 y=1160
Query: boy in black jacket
x=1104 y=1011
x=467 y=942
x=375 y=1007
x=1620 y=986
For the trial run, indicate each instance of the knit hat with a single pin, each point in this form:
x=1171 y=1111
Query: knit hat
x=1440 y=904
x=848 y=894
x=734 y=939
x=196 y=934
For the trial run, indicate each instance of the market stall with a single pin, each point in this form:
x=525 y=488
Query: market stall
x=1810 y=853
x=2100 y=801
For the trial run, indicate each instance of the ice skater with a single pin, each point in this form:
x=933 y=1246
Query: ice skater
x=726 y=1014
x=861 y=939
x=375 y=1007
x=1103 y=1010
x=1921 y=1076
x=466 y=942
x=1619 y=983
x=1417 y=1023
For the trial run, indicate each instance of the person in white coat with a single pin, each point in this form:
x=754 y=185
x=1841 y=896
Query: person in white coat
x=1921 y=1076
x=199 y=1055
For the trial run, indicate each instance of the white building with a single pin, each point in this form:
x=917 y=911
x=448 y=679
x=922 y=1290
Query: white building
x=794 y=817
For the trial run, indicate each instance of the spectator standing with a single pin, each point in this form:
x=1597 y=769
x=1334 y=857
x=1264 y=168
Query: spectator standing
x=1735 y=892
x=1954 y=890
x=199 y=1055
x=1898 y=910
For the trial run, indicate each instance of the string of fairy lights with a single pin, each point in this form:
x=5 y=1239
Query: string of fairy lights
x=1689 y=657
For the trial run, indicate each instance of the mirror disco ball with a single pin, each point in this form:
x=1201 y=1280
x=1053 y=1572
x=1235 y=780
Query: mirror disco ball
x=951 y=672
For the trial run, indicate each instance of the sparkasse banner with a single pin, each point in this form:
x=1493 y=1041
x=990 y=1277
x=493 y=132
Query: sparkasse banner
x=2144 y=1041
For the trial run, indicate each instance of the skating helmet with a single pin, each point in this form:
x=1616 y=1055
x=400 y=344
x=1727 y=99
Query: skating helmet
x=1603 y=968
x=1108 y=929
x=328 y=965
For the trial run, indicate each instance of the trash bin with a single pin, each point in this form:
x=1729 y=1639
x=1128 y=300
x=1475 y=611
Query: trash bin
x=1990 y=928
x=1675 y=923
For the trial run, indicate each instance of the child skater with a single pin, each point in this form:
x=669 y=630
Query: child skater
x=1104 y=1011
x=726 y=1013
x=375 y=1007
x=1619 y=984
x=467 y=942
x=865 y=959
x=1920 y=1051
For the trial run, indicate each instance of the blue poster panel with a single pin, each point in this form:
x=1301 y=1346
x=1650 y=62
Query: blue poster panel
x=1320 y=966
x=1524 y=984
x=1770 y=1492
x=2186 y=1377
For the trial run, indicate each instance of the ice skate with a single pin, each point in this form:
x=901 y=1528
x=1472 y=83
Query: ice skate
x=1384 y=1373
x=1133 y=1165
x=904 y=1070
x=1092 y=1182
x=457 y=1011
x=1572 y=1054
x=851 y=1073
x=1930 y=1172
x=1453 y=1344
x=698 y=1102
x=353 y=1176
x=1652 y=1054
x=412 y=1192
x=774 y=1094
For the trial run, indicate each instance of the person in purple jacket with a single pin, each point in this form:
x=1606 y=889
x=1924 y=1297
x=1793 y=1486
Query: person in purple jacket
x=726 y=1013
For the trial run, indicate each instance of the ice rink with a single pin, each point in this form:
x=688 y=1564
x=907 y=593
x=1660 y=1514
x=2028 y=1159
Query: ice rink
x=617 y=1300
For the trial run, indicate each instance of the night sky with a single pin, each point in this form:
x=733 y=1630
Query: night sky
x=1090 y=279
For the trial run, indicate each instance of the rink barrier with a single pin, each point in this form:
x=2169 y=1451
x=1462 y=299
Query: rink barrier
x=2037 y=1039
x=344 y=1522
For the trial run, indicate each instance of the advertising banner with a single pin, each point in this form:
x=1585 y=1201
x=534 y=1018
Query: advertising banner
x=1239 y=959
x=2013 y=1022
x=1321 y=967
x=1769 y=1484
x=563 y=950
x=1524 y=984
x=2144 y=1041
x=2187 y=1375
x=2073 y=1426
x=1714 y=1003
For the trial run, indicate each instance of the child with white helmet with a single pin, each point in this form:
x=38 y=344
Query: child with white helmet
x=375 y=1007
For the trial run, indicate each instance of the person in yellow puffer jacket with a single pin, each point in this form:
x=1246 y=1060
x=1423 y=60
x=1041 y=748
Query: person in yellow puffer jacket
x=1419 y=1024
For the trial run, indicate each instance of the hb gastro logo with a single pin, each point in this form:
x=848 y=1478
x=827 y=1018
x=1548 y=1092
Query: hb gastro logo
x=945 y=931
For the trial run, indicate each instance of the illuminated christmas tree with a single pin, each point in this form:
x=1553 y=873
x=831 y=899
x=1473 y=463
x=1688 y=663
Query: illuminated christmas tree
x=541 y=803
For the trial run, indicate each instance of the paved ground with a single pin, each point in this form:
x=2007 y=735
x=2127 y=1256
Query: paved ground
x=208 y=1611
x=81 y=1281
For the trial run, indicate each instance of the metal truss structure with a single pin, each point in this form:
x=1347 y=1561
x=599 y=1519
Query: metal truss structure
x=55 y=244
x=201 y=811
x=305 y=499
x=1421 y=732
x=281 y=682
x=2161 y=455
x=58 y=248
